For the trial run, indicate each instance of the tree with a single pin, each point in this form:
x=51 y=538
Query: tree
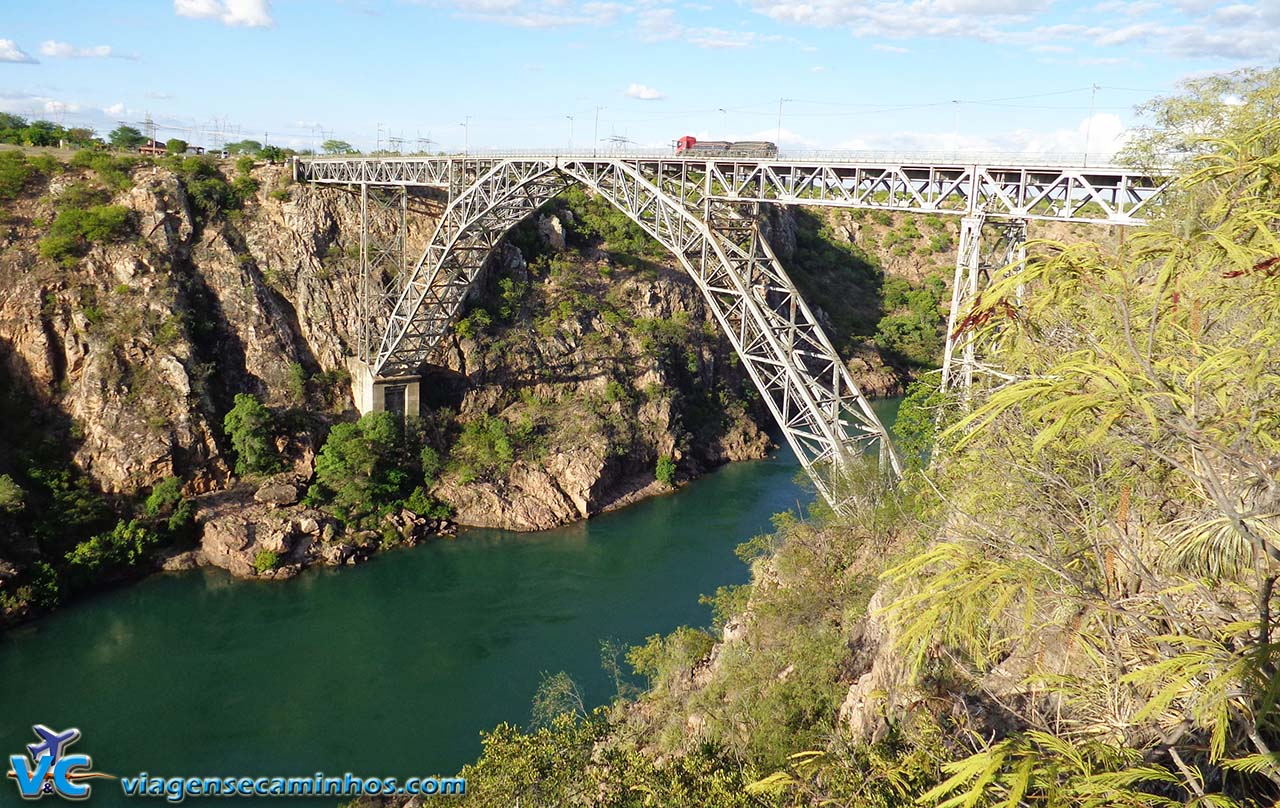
x=337 y=147
x=126 y=137
x=42 y=133
x=1116 y=505
x=11 y=495
x=251 y=427
x=175 y=146
x=359 y=466
x=1216 y=106
x=81 y=136
x=243 y=147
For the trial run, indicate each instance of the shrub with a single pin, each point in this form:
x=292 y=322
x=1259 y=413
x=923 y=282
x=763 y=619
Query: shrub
x=244 y=188
x=82 y=195
x=661 y=657
x=251 y=428
x=360 y=468
x=666 y=470
x=111 y=169
x=296 y=383
x=164 y=497
x=75 y=230
x=125 y=545
x=175 y=145
x=265 y=561
x=11 y=495
x=485 y=449
x=15 y=170
x=244 y=164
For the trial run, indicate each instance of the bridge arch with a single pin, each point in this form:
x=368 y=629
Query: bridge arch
x=823 y=415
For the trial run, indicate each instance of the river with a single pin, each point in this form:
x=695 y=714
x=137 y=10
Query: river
x=391 y=668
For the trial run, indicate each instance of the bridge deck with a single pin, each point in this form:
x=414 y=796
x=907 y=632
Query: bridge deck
x=1003 y=188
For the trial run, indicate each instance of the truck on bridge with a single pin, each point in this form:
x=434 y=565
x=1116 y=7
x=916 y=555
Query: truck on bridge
x=724 y=148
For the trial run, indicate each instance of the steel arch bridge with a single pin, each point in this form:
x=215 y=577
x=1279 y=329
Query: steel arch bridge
x=706 y=212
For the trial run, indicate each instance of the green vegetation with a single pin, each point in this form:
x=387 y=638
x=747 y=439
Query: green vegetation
x=113 y=170
x=841 y=275
x=18 y=131
x=126 y=137
x=208 y=189
x=487 y=447
x=175 y=146
x=15 y=170
x=252 y=429
x=594 y=220
x=75 y=230
x=913 y=328
x=125 y=545
x=265 y=561
x=11 y=495
x=374 y=466
x=666 y=470
x=332 y=146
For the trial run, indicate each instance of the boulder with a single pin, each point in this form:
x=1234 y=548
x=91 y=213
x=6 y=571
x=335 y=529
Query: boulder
x=277 y=494
x=181 y=561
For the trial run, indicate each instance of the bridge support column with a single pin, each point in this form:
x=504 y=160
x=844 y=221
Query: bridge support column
x=401 y=395
x=974 y=266
x=383 y=218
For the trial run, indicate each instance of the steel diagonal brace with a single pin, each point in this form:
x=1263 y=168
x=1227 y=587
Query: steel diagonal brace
x=462 y=213
x=755 y=330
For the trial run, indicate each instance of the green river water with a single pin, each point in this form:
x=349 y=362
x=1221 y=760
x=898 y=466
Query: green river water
x=391 y=668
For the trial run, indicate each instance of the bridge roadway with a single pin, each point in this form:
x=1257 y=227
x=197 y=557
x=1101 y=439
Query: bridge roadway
x=706 y=211
x=1000 y=186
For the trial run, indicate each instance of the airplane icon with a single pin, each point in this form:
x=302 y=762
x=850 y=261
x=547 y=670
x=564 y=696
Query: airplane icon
x=51 y=743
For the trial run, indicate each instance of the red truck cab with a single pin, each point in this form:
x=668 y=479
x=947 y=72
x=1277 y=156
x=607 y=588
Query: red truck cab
x=685 y=143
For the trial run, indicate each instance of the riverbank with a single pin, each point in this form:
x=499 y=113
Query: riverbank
x=393 y=667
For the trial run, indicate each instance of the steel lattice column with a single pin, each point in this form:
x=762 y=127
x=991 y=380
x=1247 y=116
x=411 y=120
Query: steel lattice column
x=383 y=219
x=973 y=271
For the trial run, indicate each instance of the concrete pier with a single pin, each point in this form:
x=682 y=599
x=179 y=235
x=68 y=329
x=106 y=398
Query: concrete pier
x=400 y=395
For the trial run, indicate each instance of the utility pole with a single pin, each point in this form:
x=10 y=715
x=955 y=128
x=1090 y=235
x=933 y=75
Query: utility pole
x=595 y=133
x=378 y=147
x=1088 y=126
x=781 y=101
x=466 y=134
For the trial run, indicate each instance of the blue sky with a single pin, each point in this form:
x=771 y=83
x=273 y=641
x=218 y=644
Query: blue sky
x=865 y=74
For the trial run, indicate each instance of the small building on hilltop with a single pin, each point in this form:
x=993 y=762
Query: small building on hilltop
x=158 y=148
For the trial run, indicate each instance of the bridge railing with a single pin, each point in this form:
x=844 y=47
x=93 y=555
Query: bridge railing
x=1055 y=160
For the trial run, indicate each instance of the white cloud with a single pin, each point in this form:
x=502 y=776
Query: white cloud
x=889 y=48
x=643 y=93
x=57 y=107
x=10 y=52
x=159 y=96
x=65 y=50
x=786 y=137
x=661 y=25
x=1102 y=135
x=1238 y=31
x=249 y=13
x=538 y=13
x=116 y=110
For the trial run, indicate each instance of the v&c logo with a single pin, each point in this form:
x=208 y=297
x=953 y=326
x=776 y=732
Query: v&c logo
x=50 y=770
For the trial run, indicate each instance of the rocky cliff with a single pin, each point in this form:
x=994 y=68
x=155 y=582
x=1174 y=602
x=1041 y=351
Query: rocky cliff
x=122 y=354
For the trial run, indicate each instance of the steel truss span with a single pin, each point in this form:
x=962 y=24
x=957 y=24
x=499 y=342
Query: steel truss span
x=1097 y=195
x=706 y=212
